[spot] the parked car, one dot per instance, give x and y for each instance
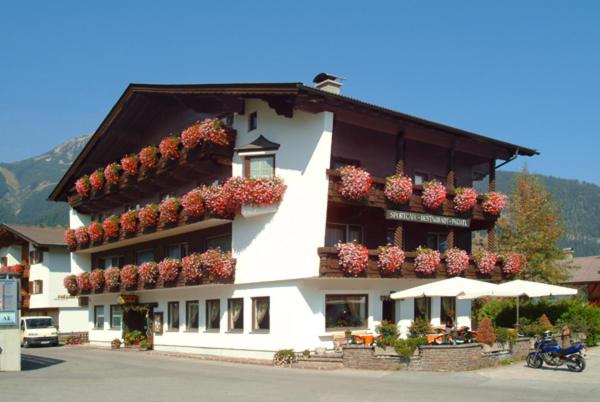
(38, 331)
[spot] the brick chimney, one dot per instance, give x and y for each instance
(328, 83)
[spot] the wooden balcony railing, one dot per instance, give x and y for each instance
(200, 163)
(329, 267)
(377, 199)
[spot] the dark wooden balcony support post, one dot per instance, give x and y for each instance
(399, 236)
(450, 238)
(492, 176)
(400, 156)
(491, 233)
(451, 176)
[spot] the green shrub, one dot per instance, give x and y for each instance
(505, 335)
(406, 347)
(144, 344)
(584, 317)
(306, 353)
(419, 328)
(284, 357)
(389, 334)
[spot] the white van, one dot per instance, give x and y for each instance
(38, 331)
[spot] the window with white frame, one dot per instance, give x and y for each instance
(173, 310)
(346, 311)
(221, 242)
(437, 241)
(259, 166)
(213, 315)
(191, 315)
(144, 256)
(236, 314)
(261, 314)
(116, 316)
(99, 317)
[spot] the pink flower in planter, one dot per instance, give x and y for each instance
(148, 216)
(128, 222)
(83, 238)
(148, 157)
(217, 203)
(390, 258)
(83, 282)
(129, 275)
(70, 283)
(169, 147)
(193, 202)
(83, 187)
(148, 273)
(427, 260)
(70, 239)
(112, 172)
(97, 279)
(191, 136)
(169, 210)
(434, 194)
(398, 188)
(513, 263)
(97, 180)
(353, 258)
(131, 164)
(465, 199)
(485, 261)
(95, 232)
(355, 182)
(191, 267)
(169, 269)
(457, 261)
(218, 264)
(494, 202)
(236, 192)
(112, 277)
(214, 131)
(111, 227)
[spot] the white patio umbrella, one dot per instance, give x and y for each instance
(453, 287)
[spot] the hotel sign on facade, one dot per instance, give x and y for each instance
(426, 218)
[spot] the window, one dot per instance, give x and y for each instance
(437, 241)
(260, 313)
(420, 178)
(191, 315)
(36, 256)
(335, 233)
(260, 166)
(338, 162)
(144, 256)
(37, 287)
(345, 311)
(173, 316)
(252, 121)
(423, 308)
(111, 261)
(236, 314)
(221, 242)
(390, 235)
(4, 261)
(99, 317)
(116, 316)
(177, 251)
(213, 314)
(448, 310)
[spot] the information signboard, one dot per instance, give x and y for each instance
(9, 301)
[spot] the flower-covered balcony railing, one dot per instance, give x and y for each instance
(196, 152)
(354, 186)
(210, 267)
(355, 260)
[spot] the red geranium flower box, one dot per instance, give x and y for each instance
(129, 275)
(97, 180)
(70, 283)
(191, 268)
(82, 186)
(193, 203)
(169, 269)
(353, 258)
(214, 131)
(95, 232)
(434, 194)
(112, 277)
(148, 216)
(218, 264)
(97, 279)
(131, 164)
(148, 273)
(128, 222)
(149, 157)
(83, 282)
(83, 238)
(169, 147)
(70, 239)
(169, 210)
(112, 172)
(390, 258)
(355, 182)
(111, 227)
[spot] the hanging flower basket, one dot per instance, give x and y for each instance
(149, 157)
(169, 210)
(355, 182)
(148, 216)
(70, 283)
(97, 180)
(214, 131)
(457, 261)
(131, 164)
(83, 282)
(112, 172)
(70, 239)
(434, 194)
(398, 188)
(513, 263)
(83, 238)
(191, 268)
(353, 258)
(427, 260)
(148, 273)
(494, 202)
(390, 259)
(97, 279)
(129, 275)
(95, 232)
(169, 269)
(83, 187)
(193, 203)
(191, 136)
(465, 199)
(128, 222)
(169, 147)
(111, 227)
(218, 264)
(112, 278)
(216, 202)
(485, 261)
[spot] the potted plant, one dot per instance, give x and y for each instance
(355, 182)
(82, 186)
(169, 147)
(485, 261)
(148, 157)
(398, 188)
(390, 258)
(97, 180)
(457, 261)
(169, 210)
(465, 199)
(112, 172)
(115, 344)
(130, 164)
(95, 232)
(82, 236)
(97, 279)
(111, 227)
(83, 282)
(112, 277)
(353, 258)
(193, 203)
(493, 203)
(70, 239)
(513, 263)
(129, 275)
(128, 222)
(434, 194)
(168, 269)
(191, 136)
(148, 216)
(70, 283)
(218, 264)
(191, 268)
(427, 260)
(214, 131)
(263, 196)
(148, 273)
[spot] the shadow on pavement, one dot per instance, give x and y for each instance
(30, 362)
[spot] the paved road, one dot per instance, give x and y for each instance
(85, 374)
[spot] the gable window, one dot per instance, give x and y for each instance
(173, 308)
(177, 251)
(37, 287)
(221, 242)
(236, 314)
(252, 121)
(260, 314)
(259, 166)
(213, 314)
(336, 232)
(99, 317)
(144, 256)
(345, 311)
(116, 316)
(191, 315)
(36, 256)
(437, 241)
(423, 308)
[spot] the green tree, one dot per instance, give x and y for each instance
(533, 226)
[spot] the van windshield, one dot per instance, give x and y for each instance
(39, 323)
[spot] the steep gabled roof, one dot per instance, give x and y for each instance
(37, 235)
(587, 269)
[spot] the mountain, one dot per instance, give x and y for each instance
(25, 185)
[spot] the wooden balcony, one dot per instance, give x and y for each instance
(329, 267)
(377, 199)
(202, 163)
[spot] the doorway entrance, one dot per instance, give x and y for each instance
(137, 324)
(388, 309)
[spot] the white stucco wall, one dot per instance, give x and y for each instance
(266, 247)
(79, 262)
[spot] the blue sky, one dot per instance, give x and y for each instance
(524, 72)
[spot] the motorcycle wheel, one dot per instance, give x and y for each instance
(534, 361)
(576, 364)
